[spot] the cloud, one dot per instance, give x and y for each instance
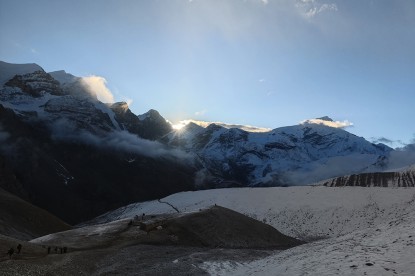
(96, 85)
(199, 113)
(384, 140)
(124, 141)
(311, 8)
(401, 157)
(265, 2)
(225, 125)
(328, 122)
(128, 101)
(332, 167)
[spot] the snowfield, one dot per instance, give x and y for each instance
(351, 230)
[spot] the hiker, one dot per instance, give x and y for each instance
(48, 249)
(142, 217)
(65, 249)
(56, 250)
(10, 252)
(60, 249)
(19, 247)
(130, 223)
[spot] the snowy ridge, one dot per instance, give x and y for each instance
(364, 230)
(287, 209)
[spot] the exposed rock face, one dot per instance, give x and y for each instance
(36, 84)
(82, 113)
(150, 125)
(378, 179)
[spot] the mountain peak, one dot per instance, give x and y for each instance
(325, 118)
(63, 77)
(9, 70)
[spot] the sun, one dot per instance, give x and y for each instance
(180, 124)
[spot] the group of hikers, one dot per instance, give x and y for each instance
(57, 250)
(11, 250)
(61, 250)
(137, 219)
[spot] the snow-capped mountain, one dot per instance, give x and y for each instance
(75, 156)
(61, 98)
(291, 155)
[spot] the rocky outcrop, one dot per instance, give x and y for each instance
(150, 125)
(378, 179)
(36, 84)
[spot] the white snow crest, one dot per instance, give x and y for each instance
(335, 124)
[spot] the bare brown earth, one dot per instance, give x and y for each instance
(22, 220)
(172, 245)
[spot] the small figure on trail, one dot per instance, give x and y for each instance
(48, 249)
(19, 248)
(10, 252)
(56, 250)
(130, 223)
(61, 249)
(136, 217)
(65, 249)
(143, 216)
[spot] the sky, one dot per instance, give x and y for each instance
(265, 63)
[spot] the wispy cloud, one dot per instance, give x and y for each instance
(330, 123)
(124, 141)
(402, 157)
(96, 85)
(387, 141)
(311, 8)
(201, 112)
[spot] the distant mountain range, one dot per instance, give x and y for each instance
(64, 150)
(293, 155)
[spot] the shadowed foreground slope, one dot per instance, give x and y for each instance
(222, 227)
(22, 220)
(158, 245)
